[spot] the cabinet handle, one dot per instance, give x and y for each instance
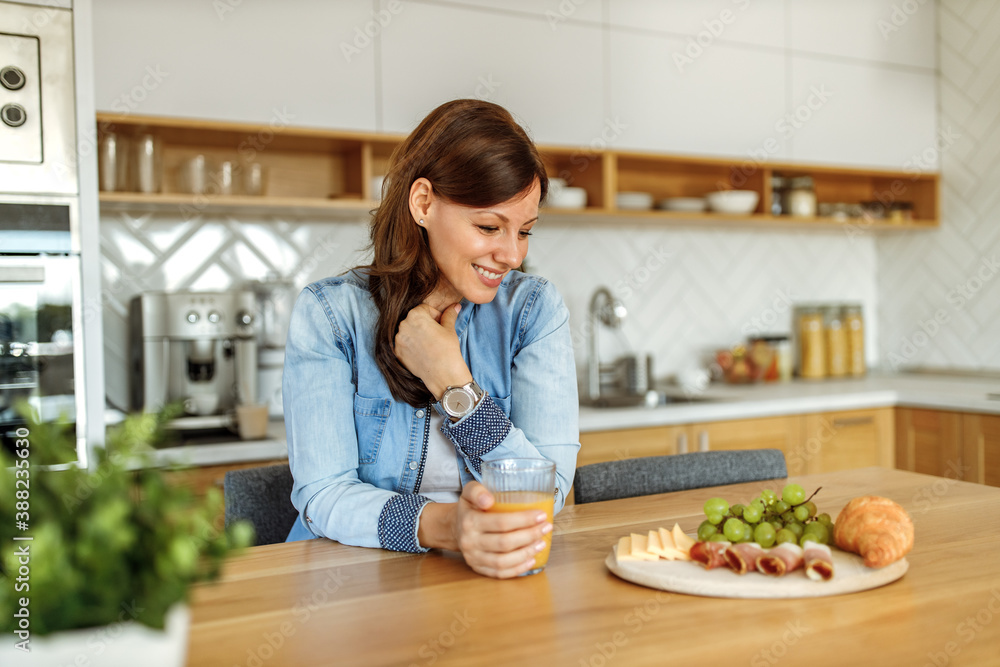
(682, 443)
(703, 441)
(841, 422)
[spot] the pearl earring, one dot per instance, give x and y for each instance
(420, 222)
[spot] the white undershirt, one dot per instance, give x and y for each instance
(441, 481)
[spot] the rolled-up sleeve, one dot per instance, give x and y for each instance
(318, 390)
(545, 411)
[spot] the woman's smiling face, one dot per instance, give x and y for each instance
(474, 248)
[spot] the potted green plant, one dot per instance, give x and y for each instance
(96, 564)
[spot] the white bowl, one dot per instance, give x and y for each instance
(566, 197)
(555, 183)
(733, 201)
(634, 201)
(687, 204)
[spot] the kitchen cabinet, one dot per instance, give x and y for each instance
(329, 172)
(981, 448)
(833, 441)
(615, 445)
(930, 442)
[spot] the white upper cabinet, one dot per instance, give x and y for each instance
(890, 31)
(759, 22)
(724, 100)
(302, 63)
(865, 115)
(550, 77)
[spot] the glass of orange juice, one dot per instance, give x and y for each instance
(523, 484)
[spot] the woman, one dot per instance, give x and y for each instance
(403, 376)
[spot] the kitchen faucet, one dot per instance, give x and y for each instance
(606, 309)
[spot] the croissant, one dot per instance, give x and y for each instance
(875, 528)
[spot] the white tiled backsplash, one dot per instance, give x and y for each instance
(687, 291)
(940, 290)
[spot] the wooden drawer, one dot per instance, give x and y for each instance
(843, 440)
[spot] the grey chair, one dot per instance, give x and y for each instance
(663, 474)
(262, 496)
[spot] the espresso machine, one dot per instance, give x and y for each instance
(196, 347)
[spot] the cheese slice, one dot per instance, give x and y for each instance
(624, 551)
(640, 550)
(682, 542)
(668, 548)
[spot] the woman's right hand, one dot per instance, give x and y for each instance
(497, 544)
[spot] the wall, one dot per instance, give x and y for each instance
(811, 81)
(941, 291)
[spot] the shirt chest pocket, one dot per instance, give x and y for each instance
(370, 418)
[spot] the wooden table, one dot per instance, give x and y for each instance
(321, 603)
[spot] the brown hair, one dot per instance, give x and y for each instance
(474, 154)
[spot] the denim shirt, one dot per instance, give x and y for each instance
(357, 454)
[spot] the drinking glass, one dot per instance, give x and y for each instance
(523, 484)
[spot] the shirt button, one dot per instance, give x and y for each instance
(414, 465)
(420, 414)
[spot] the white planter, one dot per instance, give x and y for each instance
(123, 644)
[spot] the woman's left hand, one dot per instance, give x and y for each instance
(428, 346)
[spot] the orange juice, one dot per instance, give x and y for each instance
(518, 501)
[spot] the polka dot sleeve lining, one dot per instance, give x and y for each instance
(397, 524)
(479, 432)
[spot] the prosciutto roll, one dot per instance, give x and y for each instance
(780, 560)
(818, 561)
(710, 554)
(742, 558)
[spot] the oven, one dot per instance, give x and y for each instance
(41, 360)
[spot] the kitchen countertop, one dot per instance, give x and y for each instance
(725, 402)
(722, 403)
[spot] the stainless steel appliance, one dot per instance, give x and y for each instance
(40, 321)
(275, 299)
(195, 347)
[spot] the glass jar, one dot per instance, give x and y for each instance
(812, 344)
(800, 198)
(836, 342)
(854, 323)
(778, 187)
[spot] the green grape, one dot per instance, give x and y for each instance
(793, 494)
(825, 518)
(788, 517)
(718, 537)
(780, 507)
(733, 530)
(811, 506)
(796, 528)
(751, 514)
(769, 495)
(737, 510)
(801, 513)
(819, 531)
(764, 535)
(785, 535)
(714, 519)
(716, 506)
(759, 504)
(706, 530)
(777, 524)
(806, 538)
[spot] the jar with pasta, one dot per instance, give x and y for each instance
(854, 323)
(836, 342)
(812, 344)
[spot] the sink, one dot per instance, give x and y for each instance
(641, 400)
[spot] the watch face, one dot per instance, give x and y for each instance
(458, 401)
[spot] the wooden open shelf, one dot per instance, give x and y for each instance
(329, 173)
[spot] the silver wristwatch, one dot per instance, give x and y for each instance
(460, 401)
